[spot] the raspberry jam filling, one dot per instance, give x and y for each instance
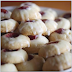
(12, 35)
(60, 30)
(33, 37)
(44, 20)
(4, 11)
(30, 57)
(6, 50)
(67, 15)
(52, 42)
(4, 19)
(23, 7)
(42, 13)
(57, 20)
(30, 21)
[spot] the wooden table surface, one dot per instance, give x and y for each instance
(63, 5)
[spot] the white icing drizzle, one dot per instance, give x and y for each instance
(6, 26)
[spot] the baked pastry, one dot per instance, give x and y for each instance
(5, 14)
(24, 13)
(8, 68)
(33, 64)
(47, 15)
(51, 26)
(32, 27)
(13, 56)
(54, 48)
(36, 42)
(14, 41)
(8, 25)
(61, 34)
(32, 5)
(58, 63)
(62, 23)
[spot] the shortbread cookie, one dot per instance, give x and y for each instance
(8, 68)
(54, 48)
(47, 15)
(32, 5)
(24, 13)
(51, 26)
(5, 14)
(58, 63)
(13, 56)
(62, 23)
(33, 64)
(32, 27)
(61, 34)
(36, 42)
(8, 25)
(14, 41)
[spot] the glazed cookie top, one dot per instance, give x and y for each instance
(5, 13)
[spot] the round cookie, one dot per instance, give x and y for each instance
(5, 14)
(8, 67)
(36, 42)
(47, 15)
(32, 5)
(8, 25)
(24, 13)
(54, 48)
(61, 34)
(58, 63)
(14, 41)
(33, 64)
(13, 56)
(62, 23)
(51, 26)
(32, 27)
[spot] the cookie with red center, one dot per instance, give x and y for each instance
(63, 23)
(35, 64)
(36, 42)
(51, 26)
(54, 48)
(8, 68)
(13, 41)
(61, 34)
(5, 13)
(31, 5)
(8, 25)
(13, 56)
(24, 13)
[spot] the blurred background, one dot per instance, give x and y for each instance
(63, 5)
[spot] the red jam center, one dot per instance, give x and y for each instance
(4, 19)
(44, 20)
(52, 42)
(23, 7)
(42, 13)
(67, 15)
(60, 30)
(30, 21)
(30, 57)
(33, 37)
(4, 11)
(57, 20)
(12, 35)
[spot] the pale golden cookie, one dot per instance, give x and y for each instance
(54, 48)
(13, 56)
(61, 34)
(8, 68)
(34, 64)
(58, 63)
(8, 25)
(36, 42)
(24, 13)
(32, 27)
(14, 41)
